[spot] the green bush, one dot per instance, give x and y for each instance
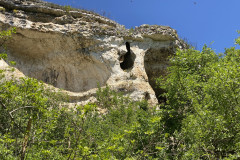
(23, 103)
(67, 9)
(113, 127)
(202, 109)
(199, 120)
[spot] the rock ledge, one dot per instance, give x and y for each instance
(77, 50)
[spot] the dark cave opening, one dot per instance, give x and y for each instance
(155, 64)
(128, 58)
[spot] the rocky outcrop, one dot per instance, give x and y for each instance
(77, 50)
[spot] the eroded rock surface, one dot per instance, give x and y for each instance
(77, 50)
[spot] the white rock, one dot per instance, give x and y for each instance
(73, 53)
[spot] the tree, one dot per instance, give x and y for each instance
(202, 109)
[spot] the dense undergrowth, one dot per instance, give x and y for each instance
(199, 120)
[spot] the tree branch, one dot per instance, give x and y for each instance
(12, 118)
(22, 108)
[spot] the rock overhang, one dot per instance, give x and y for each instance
(79, 50)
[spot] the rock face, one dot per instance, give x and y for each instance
(77, 50)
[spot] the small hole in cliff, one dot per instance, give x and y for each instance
(128, 58)
(147, 96)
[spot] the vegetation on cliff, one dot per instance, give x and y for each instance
(199, 120)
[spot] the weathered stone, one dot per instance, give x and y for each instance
(78, 50)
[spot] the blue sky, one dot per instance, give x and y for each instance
(211, 22)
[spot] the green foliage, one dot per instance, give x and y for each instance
(202, 109)
(15, 11)
(131, 31)
(4, 37)
(199, 120)
(112, 128)
(67, 8)
(2, 9)
(23, 100)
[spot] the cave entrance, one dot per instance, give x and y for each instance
(155, 64)
(128, 58)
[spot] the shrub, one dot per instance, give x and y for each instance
(202, 109)
(67, 9)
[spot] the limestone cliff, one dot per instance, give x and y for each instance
(77, 50)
